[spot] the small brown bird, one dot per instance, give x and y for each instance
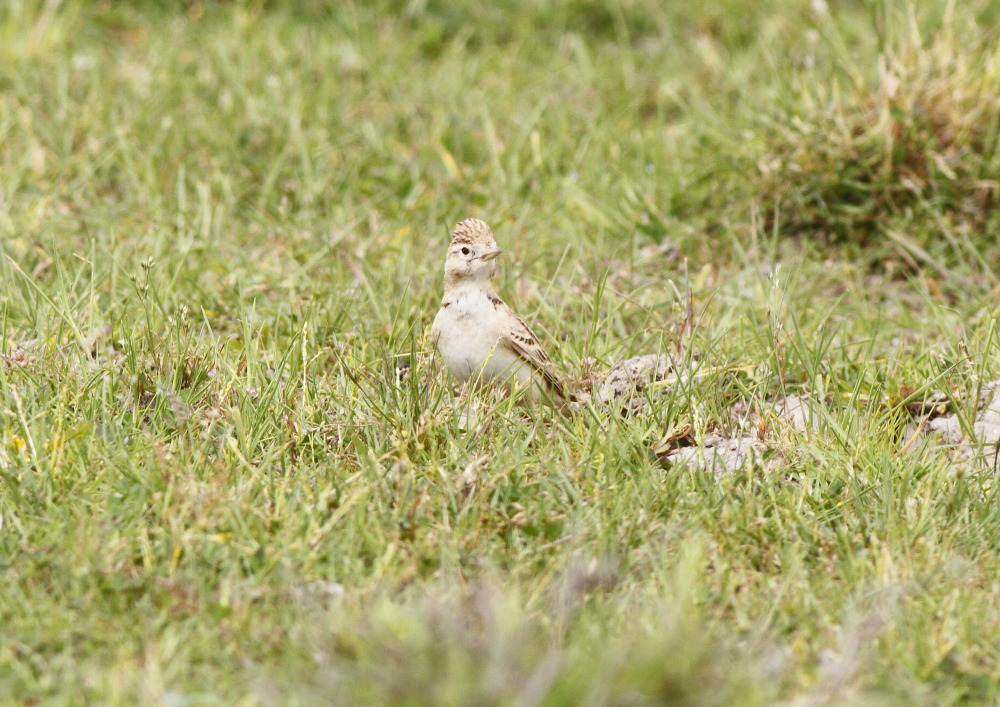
(479, 337)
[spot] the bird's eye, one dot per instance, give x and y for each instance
(465, 251)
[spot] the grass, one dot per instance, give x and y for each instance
(221, 237)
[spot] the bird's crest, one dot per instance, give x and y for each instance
(472, 231)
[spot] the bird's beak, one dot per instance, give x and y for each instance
(491, 254)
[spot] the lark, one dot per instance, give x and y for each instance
(479, 337)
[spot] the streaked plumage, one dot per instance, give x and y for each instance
(479, 337)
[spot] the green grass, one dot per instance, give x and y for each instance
(222, 229)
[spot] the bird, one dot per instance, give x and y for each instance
(479, 337)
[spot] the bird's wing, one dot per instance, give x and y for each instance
(523, 342)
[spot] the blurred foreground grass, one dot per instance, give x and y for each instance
(221, 236)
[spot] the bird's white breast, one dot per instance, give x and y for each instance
(467, 330)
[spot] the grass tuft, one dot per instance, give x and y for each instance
(905, 144)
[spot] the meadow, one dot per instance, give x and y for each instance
(232, 471)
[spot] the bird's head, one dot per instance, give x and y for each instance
(472, 254)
